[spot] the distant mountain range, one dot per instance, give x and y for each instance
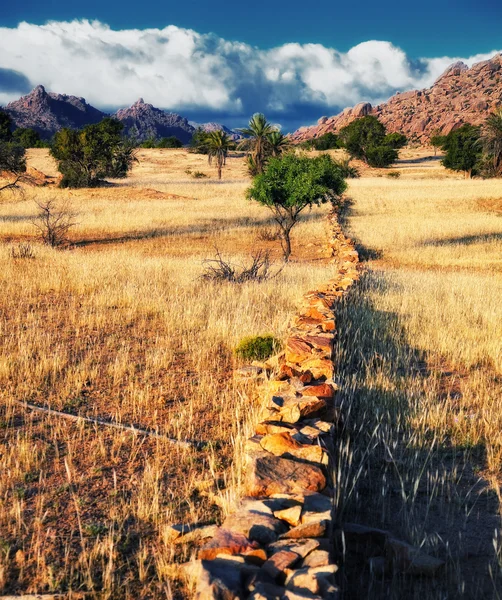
(47, 113)
(461, 95)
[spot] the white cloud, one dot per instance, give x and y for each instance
(178, 69)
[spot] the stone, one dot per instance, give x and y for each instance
(303, 595)
(275, 566)
(321, 368)
(256, 526)
(307, 530)
(323, 390)
(227, 542)
(317, 558)
(267, 474)
(368, 541)
(266, 591)
(312, 579)
(249, 372)
(266, 427)
(218, 582)
(297, 350)
(301, 547)
(281, 444)
(291, 515)
(411, 560)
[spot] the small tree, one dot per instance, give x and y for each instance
(436, 140)
(366, 138)
(291, 184)
(218, 144)
(257, 142)
(13, 162)
(463, 150)
(97, 151)
(198, 143)
(279, 143)
(54, 221)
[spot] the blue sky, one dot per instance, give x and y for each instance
(294, 60)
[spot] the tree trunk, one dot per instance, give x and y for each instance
(287, 244)
(219, 171)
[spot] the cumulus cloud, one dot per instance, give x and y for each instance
(180, 69)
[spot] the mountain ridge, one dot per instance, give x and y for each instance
(460, 95)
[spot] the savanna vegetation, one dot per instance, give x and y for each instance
(165, 281)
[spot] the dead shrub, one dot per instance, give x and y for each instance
(268, 234)
(22, 250)
(260, 269)
(54, 221)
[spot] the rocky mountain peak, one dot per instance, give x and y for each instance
(461, 95)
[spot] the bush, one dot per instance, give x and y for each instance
(328, 141)
(463, 150)
(12, 157)
(381, 156)
(198, 175)
(394, 174)
(28, 138)
(97, 151)
(259, 347)
(346, 169)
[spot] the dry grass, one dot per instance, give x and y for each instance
(120, 326)
(420, 359)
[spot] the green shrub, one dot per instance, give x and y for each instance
(394, 174)
(199, 175)
(259, 347)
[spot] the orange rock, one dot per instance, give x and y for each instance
(276, 565)
(267, 474)
(227, 542)
(297, 350)
(324, 390)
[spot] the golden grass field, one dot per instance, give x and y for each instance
(420, 358)
(120, 326)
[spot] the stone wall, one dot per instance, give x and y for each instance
(278, 543)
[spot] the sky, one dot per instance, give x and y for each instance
(295, 61)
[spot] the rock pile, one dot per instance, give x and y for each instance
(461, 95)
(278, 544)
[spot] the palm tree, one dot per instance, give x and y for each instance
(258, 143)
(218, 144)
(491, 139)
(278, 143)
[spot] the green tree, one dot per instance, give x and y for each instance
(279, 143)
(366, 138)
(395, 140)
(257, 142)
(463, 150)
(491, 141)
(328, 141)
(437, 141)
(291, 184)
(218, 145)
(97, 151)
(198, 143)
(169, 142)
(6, 126)
(28, 138)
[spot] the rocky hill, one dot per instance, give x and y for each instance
(234, 135)
(460, 95)
(143, 121)
(47, 112)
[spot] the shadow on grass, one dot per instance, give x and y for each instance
(466, 240)
(205, 227)
(418, 485)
